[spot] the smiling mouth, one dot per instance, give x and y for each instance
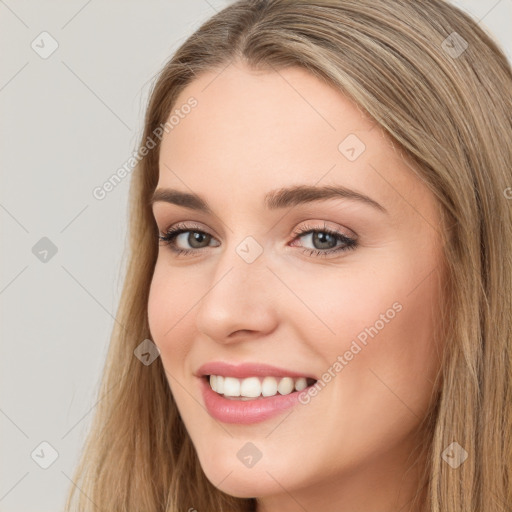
(255, 388)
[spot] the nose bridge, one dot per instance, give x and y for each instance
(235, 299)
(243, 264)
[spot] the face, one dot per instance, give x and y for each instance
(339, 289)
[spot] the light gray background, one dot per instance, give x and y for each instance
(68, 122)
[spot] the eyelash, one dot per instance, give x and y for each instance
(169, 237)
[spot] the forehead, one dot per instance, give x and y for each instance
(267, 110)
(255, 130)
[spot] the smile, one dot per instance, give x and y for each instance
(267, 402)
(251, 388)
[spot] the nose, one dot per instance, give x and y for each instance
(238, 301)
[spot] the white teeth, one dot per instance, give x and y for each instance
(269, 386)
(285, 387)
(254, 387)
(231, 386)
(250, 387)
(300, 384)
(220, 384)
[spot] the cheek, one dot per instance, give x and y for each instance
(387, 332)
(410, 345)
(170, 316)
(157, 305)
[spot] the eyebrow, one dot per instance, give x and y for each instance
(273, 200)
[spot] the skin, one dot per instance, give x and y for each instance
(351, 447)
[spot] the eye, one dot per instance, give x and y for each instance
(324, 240)
(195, 237)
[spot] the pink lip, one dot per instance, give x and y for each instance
(246, 412)
(244, 370)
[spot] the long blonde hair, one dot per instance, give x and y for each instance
(441, 88)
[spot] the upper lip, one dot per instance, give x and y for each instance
(244, 370)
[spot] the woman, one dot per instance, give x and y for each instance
(317, 307)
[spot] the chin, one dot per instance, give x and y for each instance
(245, 482)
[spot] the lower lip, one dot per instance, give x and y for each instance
(246, 411)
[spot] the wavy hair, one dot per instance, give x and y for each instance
(441, 88)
